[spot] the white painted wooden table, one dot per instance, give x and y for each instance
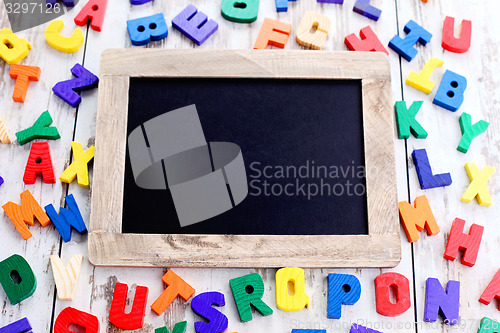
(420, 261)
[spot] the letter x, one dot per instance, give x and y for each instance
(79, 167)
(478, 188)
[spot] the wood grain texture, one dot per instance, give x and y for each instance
(95, 289)
(479, 65)
(250, 250)
(66, 277)
(244, 64)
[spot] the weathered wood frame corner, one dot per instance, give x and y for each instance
(108, 246)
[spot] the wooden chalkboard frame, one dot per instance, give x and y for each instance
(108, 246)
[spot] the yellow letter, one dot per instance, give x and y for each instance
(421, 81)
(79, 167)
(477, 187)
(60, 43)
(12, 48)
(298, 300)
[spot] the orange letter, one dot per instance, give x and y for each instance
(273, 33)
(417, 218)
(175, 287)
(24, 213)
(23, 75)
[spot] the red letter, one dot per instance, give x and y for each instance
(492, 290)
(39, 162)
(135, 319)
(368, 42)
(469, 243)
(453, 44)
(70, 316)
(94, 11)
(401, 285)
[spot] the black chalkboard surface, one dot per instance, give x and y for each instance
(244, 158)
(302, 145)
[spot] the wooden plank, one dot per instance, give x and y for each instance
(96, 283)
(250, 250)
(112, 119)
(479, 66)
(244, 64)
(55, 67)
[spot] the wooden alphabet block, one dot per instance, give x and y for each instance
(414, 34)
(355, 328)
(54, 38)
(133, 320)
(20, 326)
(175, 287)
(240, 11)
(406, 122)
(4, 136)
(12, 48)
(70, 316)
(492, 290)
(423, 168)
(202, 306)
(364, 8)
(41, 129)
(67, 3)
(248, 291)
(299, 300)
(417, 218)
(343, 289)
(452, 44)
(313, 40)
(273, 33)
(17, 291)
(143, 30)
(400, 284)
(179, 327)
(26, 213)
(438, 301)
(68, 90)
(478, 187)
(488, 325)
(282, 5)
(421, 81)
(67, 218)
(23, 75)
(195, 24)
(93, 11)
(39, 163)
(66, 277)
(450, 94)
(368, 42)
(79, 167)
(469, 131)
(469, 243)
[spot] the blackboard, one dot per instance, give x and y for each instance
(300, 135)
(315, 134)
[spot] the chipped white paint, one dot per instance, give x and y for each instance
(95, 286)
